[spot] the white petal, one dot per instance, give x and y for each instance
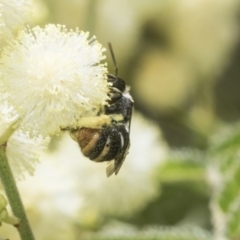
(23, 152)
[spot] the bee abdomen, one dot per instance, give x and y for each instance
(91, 142)
(112, 146)
(99, 144)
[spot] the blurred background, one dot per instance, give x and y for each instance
(181, 59)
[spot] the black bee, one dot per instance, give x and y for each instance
(110, 142)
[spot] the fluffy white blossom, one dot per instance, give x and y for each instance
(24, 151)
(13, 15)
(53, 78)
(50, 79)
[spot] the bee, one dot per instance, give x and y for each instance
(110, 142)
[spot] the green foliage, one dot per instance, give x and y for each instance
(216, 172)
(186, 165)
(225, 152)
(220, 164)
(155, 233)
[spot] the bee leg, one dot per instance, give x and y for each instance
(117, 82)
(115, 95)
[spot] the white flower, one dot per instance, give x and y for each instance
(13, 15)
(53, 78)
(24, 151)
(50, 79)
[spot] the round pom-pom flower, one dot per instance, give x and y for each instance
(51, 78)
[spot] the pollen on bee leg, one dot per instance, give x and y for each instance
(116, 117)
(94, 122)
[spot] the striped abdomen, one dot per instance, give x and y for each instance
(101, 144)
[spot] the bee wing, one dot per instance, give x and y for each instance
(115, 164)
(110, 168)
(121, 158)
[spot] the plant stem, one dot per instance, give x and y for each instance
(14, 198)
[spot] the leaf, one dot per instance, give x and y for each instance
(155, 233)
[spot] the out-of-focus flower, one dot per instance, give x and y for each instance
(13, 15)
(122, 29)
(126, 25)
(192, 44)
(40, 12)
(207, 40)
(200, 36)
(50, 79)
(70, 187)
(164, 76)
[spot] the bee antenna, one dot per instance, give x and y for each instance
(113, 58)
